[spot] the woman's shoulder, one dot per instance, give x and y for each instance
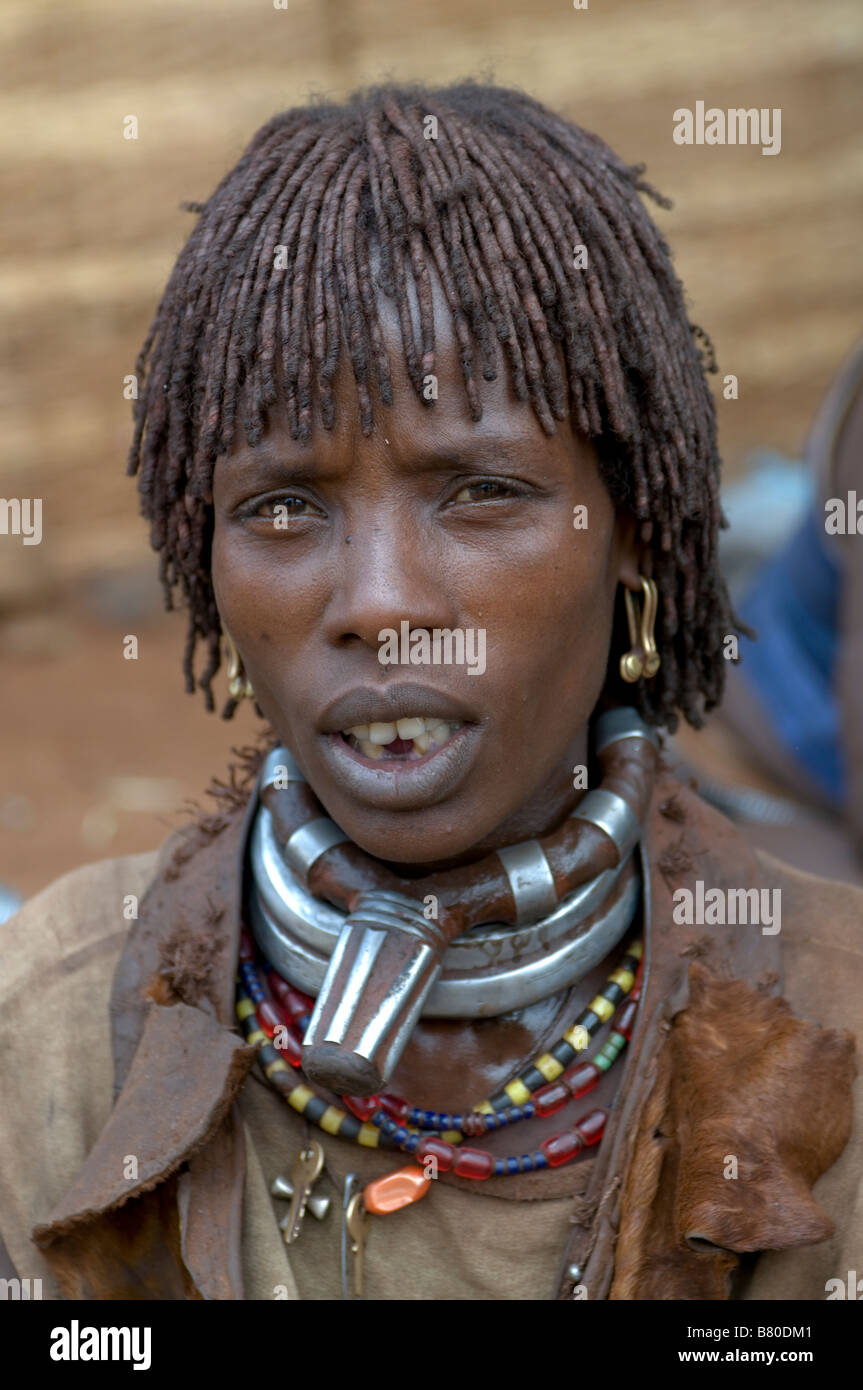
(825, 912)
(64, 924)
(60, 951)
(821, 937)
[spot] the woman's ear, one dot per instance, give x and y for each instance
(629, 548)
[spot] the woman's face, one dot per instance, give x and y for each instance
(432, 522)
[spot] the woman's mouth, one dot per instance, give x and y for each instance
(411, 738)
(408, 764)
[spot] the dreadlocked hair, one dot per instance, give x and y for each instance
(277, 280)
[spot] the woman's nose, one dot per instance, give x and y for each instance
(387, 574)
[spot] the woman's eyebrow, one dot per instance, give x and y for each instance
(272, 467)
(509, 455)
(469, 453)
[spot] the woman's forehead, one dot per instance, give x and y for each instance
(437, 418)
(412, 428)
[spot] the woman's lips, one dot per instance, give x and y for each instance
(392, 778)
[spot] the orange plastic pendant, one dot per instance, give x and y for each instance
(396, 1190)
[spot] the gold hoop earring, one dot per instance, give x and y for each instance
(239, 685)
(642, 659)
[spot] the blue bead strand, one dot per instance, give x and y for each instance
(442, 1120)
(409, 1143)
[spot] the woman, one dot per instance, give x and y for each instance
(422, 392)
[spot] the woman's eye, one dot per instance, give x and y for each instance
(488, 489)
(280, 509)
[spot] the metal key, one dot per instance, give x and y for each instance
(352, 1183)
(357, 1222)
(305, 1171)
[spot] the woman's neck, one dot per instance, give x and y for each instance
(544, 810)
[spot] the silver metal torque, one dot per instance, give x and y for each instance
(488, 971)
(280, 766)
(309, 842)
(609, 812)
(621, 723)
(386, 961)
(530, 880)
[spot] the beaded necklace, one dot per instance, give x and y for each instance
(274, 1017)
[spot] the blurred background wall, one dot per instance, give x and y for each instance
(97, 753)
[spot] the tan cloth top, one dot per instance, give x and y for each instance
(60, 952)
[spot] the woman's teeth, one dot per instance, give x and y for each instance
(372, 740)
